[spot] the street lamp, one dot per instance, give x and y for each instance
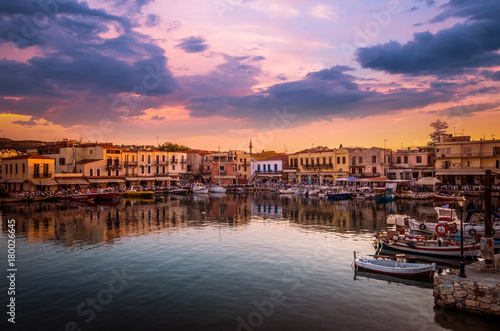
(461, 204)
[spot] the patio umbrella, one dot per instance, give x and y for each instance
(428, 181)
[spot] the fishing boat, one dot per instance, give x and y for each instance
(198, 188)
(429, 247)
(85, 195)
(240, 190)
(385, 195)
(105, 194)
(394, 267)
(287, 191)
(446, 220)
(138, 194)
(339, 194)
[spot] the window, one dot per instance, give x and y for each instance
(343, 159)
(91, 151)
(36, 168)
(62, 161)
(301, 161)
(117, 173)
(419, 159)
(317, 160)
(109, 172)
(374, 170)
(24, 168)
(142, 157)
(157, 169)
(498, 164)
(312, 162)
(307, 162)
(360, 159)
(173, 167)
(6, 169)
(163, 157)
(163, 168)
(98, 172)
(324, 160)
(149, 170)
(468, 164)
(149, 158)
(374, 159)
(398, 159)
(276, 167)
(338, 159)
(91, 172)
(406, 159)
(258, 167)
(496, 150)
(16, 168)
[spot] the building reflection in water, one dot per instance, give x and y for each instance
(89, 223)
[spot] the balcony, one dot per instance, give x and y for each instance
(113, 165)
(183, 161)
(174, 161)
(41, 175)
(260, 171)
(318, 167)
(161, 163)
(130, 163)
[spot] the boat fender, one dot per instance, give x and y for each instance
(472, 232)
(422, 226)
(442, 229)
(410, 245)
(453, 227)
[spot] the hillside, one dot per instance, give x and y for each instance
(19, 145)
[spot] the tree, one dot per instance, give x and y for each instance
(439, 132)
(171, 147)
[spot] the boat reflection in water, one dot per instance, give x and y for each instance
(423, 282)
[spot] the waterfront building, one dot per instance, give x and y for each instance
(221, 168)
(270, 169)
(318, 165)
(462, 161)
(243, 162)
(412, 163)
(28, 173)
(369, 162)
(194, 167)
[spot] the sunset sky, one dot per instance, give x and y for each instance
(286, 74)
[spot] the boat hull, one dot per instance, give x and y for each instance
(470, 251)
(138, 194)
(394, 268)
(105, 196)
(83, 197)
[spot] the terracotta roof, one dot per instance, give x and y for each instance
(282, 157)
(318, 149)
(29, 156)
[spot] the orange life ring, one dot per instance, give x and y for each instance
(441, 231)
(453, 227)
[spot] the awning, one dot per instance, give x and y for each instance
(460, 173)
(72, 181)
(290, 170)
(47, 182)
(164, 178)
(132, 179)
(116, 180)
(3, 180)
(16, 181)
(98, 180)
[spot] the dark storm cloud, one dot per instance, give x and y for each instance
(450, 51)
(321, 94)
(192, 44)
(28, 123)
(78, 70)
(466, 110)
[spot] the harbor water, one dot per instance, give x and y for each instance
(228, 262)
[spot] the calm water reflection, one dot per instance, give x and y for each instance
(247, 262)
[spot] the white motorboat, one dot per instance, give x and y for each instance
(217, 189)
(198, 188)
(287, 191)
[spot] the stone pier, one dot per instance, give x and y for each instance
(479, 293)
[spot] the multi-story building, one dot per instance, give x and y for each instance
(270, 169)
(369, 162)
(462, 161)
(243, 162)
(318, 165)
(28, 173)
(221, 168)
(412, 163)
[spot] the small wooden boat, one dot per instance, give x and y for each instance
(83, 196)
(342, 195)
(394, 267)
(422, 246)
(287, 191)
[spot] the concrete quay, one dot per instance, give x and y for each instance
(478, 293)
